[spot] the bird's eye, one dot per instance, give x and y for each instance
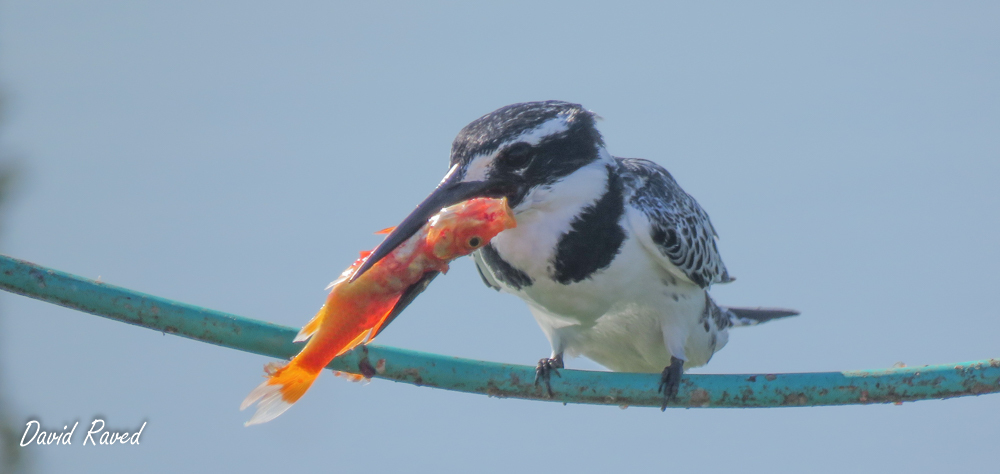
(517, 156)
(475, 242)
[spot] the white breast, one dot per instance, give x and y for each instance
(617, 316)
(545, 215)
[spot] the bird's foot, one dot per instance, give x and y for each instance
(545, 369)
(670, 381)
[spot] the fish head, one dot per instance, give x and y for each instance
(467, 226)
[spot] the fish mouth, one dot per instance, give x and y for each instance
(509, 221)
(452, 190)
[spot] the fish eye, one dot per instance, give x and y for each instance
(475, 242)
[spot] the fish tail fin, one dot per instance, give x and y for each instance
(283, 387)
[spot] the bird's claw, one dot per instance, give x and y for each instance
(670, 381)
(545, 369)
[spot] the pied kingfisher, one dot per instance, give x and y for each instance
(613, 258)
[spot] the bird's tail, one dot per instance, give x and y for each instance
(283, 387)
(755, 316)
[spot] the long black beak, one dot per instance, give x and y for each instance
(451, 191)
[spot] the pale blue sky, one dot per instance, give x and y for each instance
(237, 156)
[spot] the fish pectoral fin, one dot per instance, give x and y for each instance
(387, 230)
(354, 343)
(311, 327)
(349, 376)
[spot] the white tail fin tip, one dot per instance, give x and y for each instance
(271, 403)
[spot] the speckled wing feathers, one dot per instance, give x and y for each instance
(679, 228)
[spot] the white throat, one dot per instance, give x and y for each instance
(546, 214)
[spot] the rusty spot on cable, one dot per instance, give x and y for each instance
(415, 374)
(492, 390)
(366, 367)
(795, 399)
(980, 388)
(38, 277)
(724, 398)
(700, 397)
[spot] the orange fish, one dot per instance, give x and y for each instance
(356, 311)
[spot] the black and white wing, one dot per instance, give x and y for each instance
(671, 225)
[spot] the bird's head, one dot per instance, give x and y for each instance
(506, 153)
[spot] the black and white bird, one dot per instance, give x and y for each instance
(614, 259)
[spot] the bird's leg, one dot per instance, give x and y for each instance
(670, 381)
(545, 369)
